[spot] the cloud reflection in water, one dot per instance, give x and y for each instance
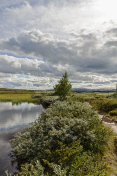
(12, 119)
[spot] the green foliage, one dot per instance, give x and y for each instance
(74, 162)
(64, 154)
(70, 161)
(105, 105)
(115, 95)
(63, 88)
(69, 135)
(81, 97)
(113, 112)
(35, 169)
(58, 170)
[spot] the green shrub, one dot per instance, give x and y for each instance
(115, 95)
(113, 112)
(66, 123)
(105, 105)
(35, 169)
(81, 97)
(70, 161)
(62, 89)
(74, 162)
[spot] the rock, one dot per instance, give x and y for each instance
(36, 96)
(107, 119)
(46, 102)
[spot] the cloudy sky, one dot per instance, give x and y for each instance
(41, 39)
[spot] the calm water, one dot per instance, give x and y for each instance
(13, 118)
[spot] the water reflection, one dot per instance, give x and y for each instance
(5, 160)
(12, 119)
(13, 116)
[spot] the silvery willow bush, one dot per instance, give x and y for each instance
(64, 124)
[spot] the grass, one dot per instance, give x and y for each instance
(111, 155)
(104, 103)
(17, 98)
(20, 96)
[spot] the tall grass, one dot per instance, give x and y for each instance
(17, 98)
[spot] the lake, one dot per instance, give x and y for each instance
(14, 118)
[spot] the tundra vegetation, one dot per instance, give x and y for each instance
(68, 139)
(19, 96)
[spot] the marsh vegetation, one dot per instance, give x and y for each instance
(68, 139)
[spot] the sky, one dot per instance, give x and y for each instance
(41, 39)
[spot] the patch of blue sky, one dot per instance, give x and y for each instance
(11, 4)
(10, 85)
(19, 3)
(15, 5)
(40, 2)
(23, 76)
(11, 54)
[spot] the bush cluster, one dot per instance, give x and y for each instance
(68, 139)
(105, 105)
(113, 112)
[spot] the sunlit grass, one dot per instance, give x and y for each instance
(19, 95)
(17, 98)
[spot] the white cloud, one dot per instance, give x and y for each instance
(58, 17)
(73, 35)
(84, 52)
(11, 64)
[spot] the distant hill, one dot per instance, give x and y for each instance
(92, 90)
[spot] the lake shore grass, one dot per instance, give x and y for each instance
(20, 96)
(17, 98)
